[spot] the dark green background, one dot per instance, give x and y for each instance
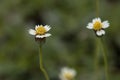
(71, 43)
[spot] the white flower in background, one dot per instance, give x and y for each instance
(67, 74)
(98, 26)
(40, 31)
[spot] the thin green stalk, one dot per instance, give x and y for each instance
(41, 64)
(97, 8)
(105, 60)
(97, 59)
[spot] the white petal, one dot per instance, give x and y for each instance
(47, 27)
(90, 26)
(96, 19)
(105, 24)
(36, 27)
(32, 32)
(47, 35)
(40, 36)
(103, 32)
(99, 33)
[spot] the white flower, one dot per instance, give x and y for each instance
(98, 26)
(40, 31)
(67, 74)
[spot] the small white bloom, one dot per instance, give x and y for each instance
(40, 31)
(67, 74)
(98, 26)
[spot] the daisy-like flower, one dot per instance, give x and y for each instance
(40, 31)
(98, 26)
(67, 74)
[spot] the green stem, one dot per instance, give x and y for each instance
(96, 59)
(41, 64)
(105, 60)
(97, 8)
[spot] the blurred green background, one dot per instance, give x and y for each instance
(71, 44)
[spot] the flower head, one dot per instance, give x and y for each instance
(67, 74)
(98, 26)
(40, 31)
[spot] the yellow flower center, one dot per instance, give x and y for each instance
(40, 30)
(97, 25)
(68, 76)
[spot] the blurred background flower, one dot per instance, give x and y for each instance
(67, 74)
(71, 44)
